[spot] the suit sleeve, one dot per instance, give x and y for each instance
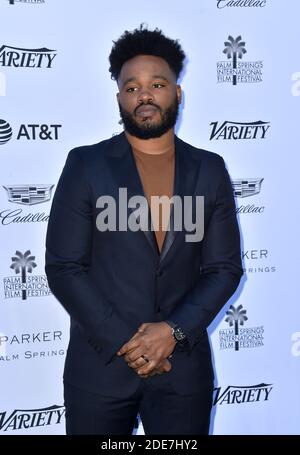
(221, 264)
(68, 256)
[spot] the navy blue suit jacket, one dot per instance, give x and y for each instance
(111, 282)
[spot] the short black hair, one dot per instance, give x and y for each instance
(142, 41)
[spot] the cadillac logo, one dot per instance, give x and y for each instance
(246, 187)
(29, 194)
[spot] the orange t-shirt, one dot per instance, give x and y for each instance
(157, 176)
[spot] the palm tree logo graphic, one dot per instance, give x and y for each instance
(234, 48)
(236, 317)
(23, 263)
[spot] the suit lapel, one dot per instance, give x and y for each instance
(123, 167)
(186, 172)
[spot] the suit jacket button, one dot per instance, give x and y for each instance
(159, 272)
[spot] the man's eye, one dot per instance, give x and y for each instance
(157, 85)
(131, 89)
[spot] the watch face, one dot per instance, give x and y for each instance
(178, 334)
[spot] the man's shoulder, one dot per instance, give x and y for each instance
(202, 154)
(94, 151)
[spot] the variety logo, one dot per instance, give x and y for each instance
(24, 419)
(239, 130)
(241, 3)
(257, 259)
(296, 344)
(18, 57)
(235, 71)
(37, 345)
(28, 194)
(296, 84)
(238, 337)
(242, 394)
(31, 131)
(24, 284)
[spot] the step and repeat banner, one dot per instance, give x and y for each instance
(241, 89)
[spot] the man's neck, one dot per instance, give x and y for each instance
(154, 146)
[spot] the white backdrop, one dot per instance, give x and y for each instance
(60, 97)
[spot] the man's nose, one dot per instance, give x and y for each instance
(145, 96)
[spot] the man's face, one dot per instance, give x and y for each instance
(149, 97)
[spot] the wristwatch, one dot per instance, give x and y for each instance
(177, 332)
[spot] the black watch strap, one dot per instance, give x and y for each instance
(178, 329)
(171, 324)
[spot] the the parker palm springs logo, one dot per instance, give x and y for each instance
(24, 284)
(23, 263)
(235, 317)
(237, 336)
(235, 69)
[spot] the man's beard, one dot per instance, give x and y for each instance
(146, 130)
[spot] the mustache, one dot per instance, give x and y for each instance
(146, 104)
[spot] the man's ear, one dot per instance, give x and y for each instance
(179, 93)
(118, 96)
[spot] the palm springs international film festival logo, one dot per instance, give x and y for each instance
(233, 394)
(18, 57)
(24, 283)
(236, 336)
(239, 130)
(25, 419)
(235, 71)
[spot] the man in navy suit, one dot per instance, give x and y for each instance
(141, 292)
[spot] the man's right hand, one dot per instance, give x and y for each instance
(163, 367)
